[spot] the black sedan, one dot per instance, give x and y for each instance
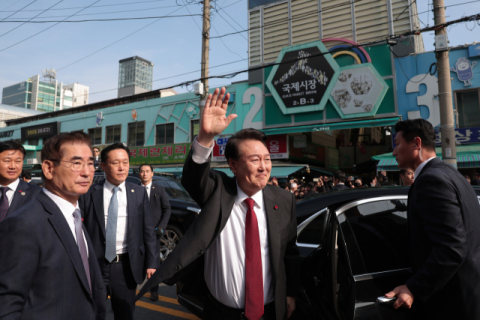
(184, 210)
(353, 248)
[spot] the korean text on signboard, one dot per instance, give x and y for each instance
(6, 134)
(41, 131)
(462, 135)
(160, 154)
(302, 77)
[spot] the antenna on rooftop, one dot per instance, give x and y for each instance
(50, 74)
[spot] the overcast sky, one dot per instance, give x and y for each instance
(172, 44)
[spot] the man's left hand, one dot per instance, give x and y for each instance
(290, 306)
(150, 272)
(404, 297)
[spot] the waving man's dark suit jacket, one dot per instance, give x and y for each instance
(25, 193)
(160, 205)
(215, 192)
(41, 270)
(444, 228)
(141, 240)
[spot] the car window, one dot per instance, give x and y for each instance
(173, 189)
(312, 233)
(380, 231)
(133, 180)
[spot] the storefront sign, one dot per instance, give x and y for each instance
(300, 81)
(41, 131)
(300, 141)
(6, 134)
(358, 91)
(277, 146)
(474, 50)
(462, 136)
(160, 154)
(464, 70)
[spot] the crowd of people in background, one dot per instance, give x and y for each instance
(339, 181)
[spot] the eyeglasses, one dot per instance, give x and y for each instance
(76, 165)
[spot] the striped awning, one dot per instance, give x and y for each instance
(464, 160)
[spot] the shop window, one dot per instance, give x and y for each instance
(113, 134)
(468, 108)
(95, 135)
(194, 129)
(136, 134)
(164, 133)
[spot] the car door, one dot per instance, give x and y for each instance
(375, 231)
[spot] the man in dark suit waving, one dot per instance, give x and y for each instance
(443, 222)
(119, 222)
(246, 231)
(14, 192)
(160, 209)
(48, 267)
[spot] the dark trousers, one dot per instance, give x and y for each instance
(215, 310)
(155, 289)
(121, 287)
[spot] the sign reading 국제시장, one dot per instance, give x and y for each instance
(160, 154)
(302, 78)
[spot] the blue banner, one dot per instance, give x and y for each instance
(462, 135)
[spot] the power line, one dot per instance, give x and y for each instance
(103, 5)
(111, 44)
(107, 20)
(46, 28)
(224, 42)
(19, 10)
(110, 12)
(30, 19)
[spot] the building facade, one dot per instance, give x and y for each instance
(75, 95)
(135, 76)
(45, 96)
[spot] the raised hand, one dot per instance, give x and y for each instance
(213, 120)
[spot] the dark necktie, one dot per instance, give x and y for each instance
(81, 244)
(4, 203)
(253, 266)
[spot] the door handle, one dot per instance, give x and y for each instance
(386, 302)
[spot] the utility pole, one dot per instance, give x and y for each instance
(447, 127)
(205, 51)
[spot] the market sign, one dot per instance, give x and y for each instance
(462, 135)
(160, 154)
(358, 91)
(41, 131)
(464, 70)
(277, 146)
(303, 77)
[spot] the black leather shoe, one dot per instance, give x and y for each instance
(154, 296)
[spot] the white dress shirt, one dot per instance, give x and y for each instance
(10, 193)
(420, 167)
(225, 258)
(67, 209)
(148, 187)
(122, 213)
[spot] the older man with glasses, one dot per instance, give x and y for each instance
(48, 267)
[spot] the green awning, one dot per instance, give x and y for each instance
(277, 172)
(172, 170)
(384, 122)
(467, 157)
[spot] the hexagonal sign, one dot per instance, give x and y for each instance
(358, 91)
(303, 77)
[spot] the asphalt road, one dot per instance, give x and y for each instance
(166, 308)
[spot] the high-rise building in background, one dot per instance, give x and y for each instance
(47, 95)
(134, 76)
(75, 95)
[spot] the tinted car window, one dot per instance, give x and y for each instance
(173, 189)
(313, 232)
(133, 180)
(380, 231)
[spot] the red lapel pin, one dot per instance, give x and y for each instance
(275, 207)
